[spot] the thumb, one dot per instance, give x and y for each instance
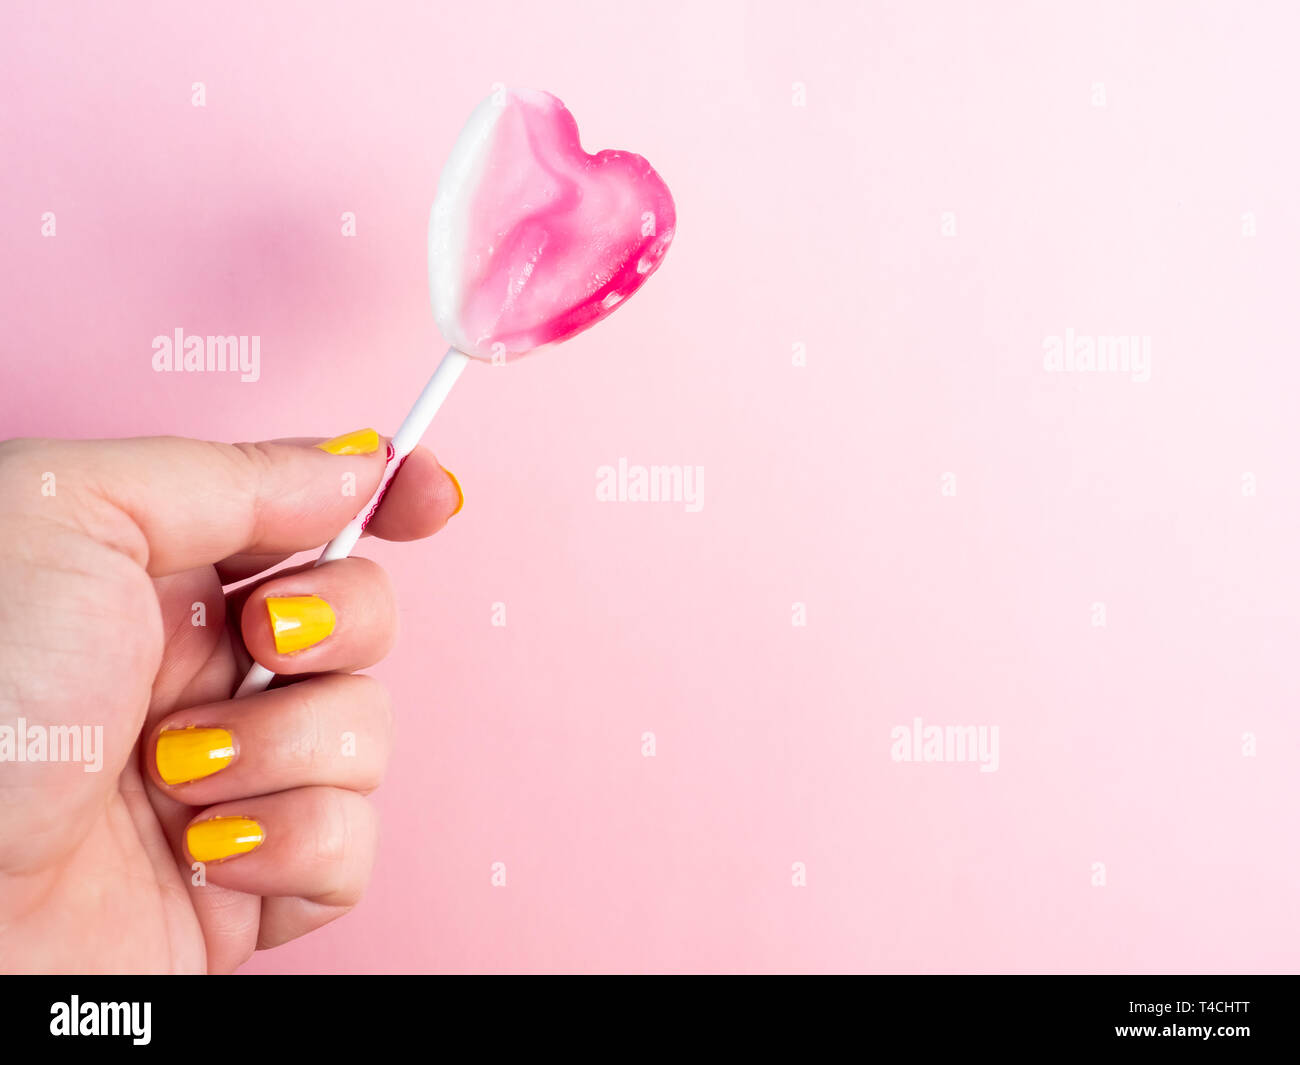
(172, 503)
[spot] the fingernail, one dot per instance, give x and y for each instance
(223, 837)
(186, 754)
(299, 621)
(361, 442)
(460, 492)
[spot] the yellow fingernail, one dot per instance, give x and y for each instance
(223, 837)
(299, 621)
(361, 442)
(185, 754)
(460, 492)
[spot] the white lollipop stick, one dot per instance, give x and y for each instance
(408, 435)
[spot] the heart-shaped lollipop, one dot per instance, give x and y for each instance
(531, 241)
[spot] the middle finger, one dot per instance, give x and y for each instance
(338, 617)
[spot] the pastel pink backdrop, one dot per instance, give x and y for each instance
(818, 225)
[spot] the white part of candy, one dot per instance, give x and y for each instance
(450, 219)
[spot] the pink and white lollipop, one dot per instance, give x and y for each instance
(531, 241)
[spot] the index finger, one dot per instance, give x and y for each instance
(421, 499)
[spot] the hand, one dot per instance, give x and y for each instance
(114, 622)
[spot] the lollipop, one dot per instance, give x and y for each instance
(531, 241)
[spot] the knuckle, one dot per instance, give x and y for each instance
(333, 828)
(307, 751)
(251, 467)
(254, 458)
(374, 722)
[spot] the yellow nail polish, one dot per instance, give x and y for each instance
(299, 621)
(223, 837)
(361, 442)
(460, 492)
(185, 754)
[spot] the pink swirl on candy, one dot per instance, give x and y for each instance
(532, 240)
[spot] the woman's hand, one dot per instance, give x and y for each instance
(185, 830)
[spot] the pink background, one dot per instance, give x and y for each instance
(818, 225)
